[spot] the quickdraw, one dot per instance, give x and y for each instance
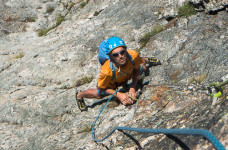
(219, 87)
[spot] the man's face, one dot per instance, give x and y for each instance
(119, 55)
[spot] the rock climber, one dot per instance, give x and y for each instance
(126, 64)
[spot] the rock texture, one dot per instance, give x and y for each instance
(39, 74)
(211, 5)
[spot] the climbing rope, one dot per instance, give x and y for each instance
(208, 135)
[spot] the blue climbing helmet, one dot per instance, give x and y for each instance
(107, 46)
(113, 43)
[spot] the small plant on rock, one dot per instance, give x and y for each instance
(143, 41)
(96, 13)
(45, 31)
(50, 9)
(86, 129)
(42, 32)
(71, 5)
(84, 80)
(60, 19)
(20, 55)
(30, 19)
(82, 5)
(186, 10)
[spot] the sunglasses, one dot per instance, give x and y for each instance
(117, 54)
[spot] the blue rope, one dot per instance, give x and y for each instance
(208, 135)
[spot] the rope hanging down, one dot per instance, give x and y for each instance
(208, 135)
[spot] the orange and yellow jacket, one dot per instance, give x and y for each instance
(123, 74)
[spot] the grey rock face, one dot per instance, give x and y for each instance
(212, 5)
(193, 45)
(38, 75)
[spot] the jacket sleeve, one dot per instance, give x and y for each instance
(105, 77)
(137, 59)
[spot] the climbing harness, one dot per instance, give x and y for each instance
(208, 135)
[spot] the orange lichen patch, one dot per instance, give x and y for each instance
(94, 61)
(57, 118)
(162, 103)
(171, 23)
(223, 97)
(144, 103)
(174, 75)
(158, 93)
(186, 51)
(8, 19)
(156, 97)
(195, 57)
